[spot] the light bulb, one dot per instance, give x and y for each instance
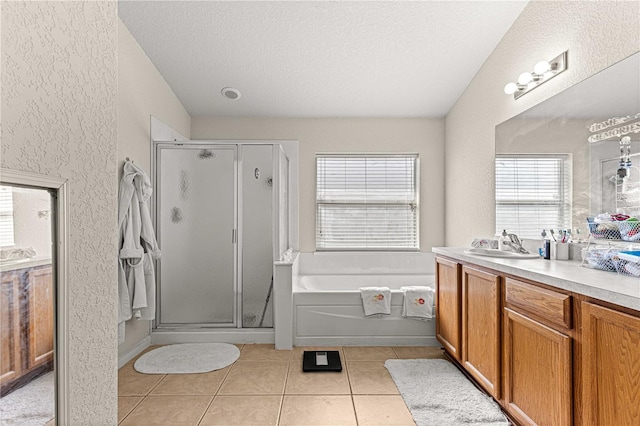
(541, 67)
(510, 88)
(525, 78)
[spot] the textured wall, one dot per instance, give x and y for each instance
(142, 92)
(59, 119)
(422, 135)
(597, 34)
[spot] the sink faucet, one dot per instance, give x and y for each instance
(515, 244)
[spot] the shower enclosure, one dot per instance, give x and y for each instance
(221, 213)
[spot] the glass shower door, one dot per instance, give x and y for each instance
(196, 222)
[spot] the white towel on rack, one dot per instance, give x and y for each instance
(376, 300)
(418, 302)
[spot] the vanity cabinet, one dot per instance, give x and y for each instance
(611, 366)
(10, 360)
(538, 375)
(481, 320)
(448, 306)
(548, 355)
(468, 320)
(27, 324)
(40, 322)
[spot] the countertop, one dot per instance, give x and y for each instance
(562, 274)
(14, 265)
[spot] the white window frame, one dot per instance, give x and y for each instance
(7, 237)
(531, 227)
(412, 202)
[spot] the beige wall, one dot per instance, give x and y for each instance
(424, 136)
(597, 34)
(59, 88)
(142, 92)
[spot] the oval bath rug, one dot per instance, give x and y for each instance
(186, 358)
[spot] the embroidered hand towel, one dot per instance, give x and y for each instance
(376, 300)
(418, 302)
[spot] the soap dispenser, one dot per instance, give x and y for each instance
(502, 240)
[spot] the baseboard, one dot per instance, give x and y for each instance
(128, 356)
(365, 341)
(240, 336)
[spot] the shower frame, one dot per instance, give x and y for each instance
(277, 149)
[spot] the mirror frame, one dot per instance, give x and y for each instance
(61, 256)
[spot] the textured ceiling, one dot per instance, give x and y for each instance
(320, 58)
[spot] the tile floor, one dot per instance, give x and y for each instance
(268, 387)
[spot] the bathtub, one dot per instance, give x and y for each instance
(328, 311)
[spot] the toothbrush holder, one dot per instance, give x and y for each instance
(559, 251)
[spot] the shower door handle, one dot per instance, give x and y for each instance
(233, 236)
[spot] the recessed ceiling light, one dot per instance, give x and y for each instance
(231, 93)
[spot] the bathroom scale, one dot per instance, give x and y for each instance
(321, 361)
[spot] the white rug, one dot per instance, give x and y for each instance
(437, 393)
(31, 405)
(187, 358)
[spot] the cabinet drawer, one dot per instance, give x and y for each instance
(550, 306)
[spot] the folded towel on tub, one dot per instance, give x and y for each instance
(418, 302)
(376, 300)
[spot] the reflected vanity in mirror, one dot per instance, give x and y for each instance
(572, 156)
(27, 304)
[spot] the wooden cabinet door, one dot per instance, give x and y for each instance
(481, 334)
(41, 322)
(448, 294)
(610, 366)
(537, 368)
(10, 362)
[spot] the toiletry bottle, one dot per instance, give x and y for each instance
(501, 241)
(547, 249)
(547, 245)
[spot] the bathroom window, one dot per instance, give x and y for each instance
(6, 216)
(367, 202)
(533, 192)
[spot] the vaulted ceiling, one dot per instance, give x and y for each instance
(319, 58)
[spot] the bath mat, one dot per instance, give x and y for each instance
(187, 358)
(31, 405)
(437, 393)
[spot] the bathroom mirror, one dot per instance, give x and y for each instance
(586, 124)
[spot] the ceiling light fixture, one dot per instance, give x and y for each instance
(231, 93)
(542, 72)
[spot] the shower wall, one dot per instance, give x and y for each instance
(283, 203)
(256, 233)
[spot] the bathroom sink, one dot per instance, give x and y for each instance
(500, 253)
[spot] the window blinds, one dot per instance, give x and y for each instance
(366, 202)
(533, 192)
(6, 216)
